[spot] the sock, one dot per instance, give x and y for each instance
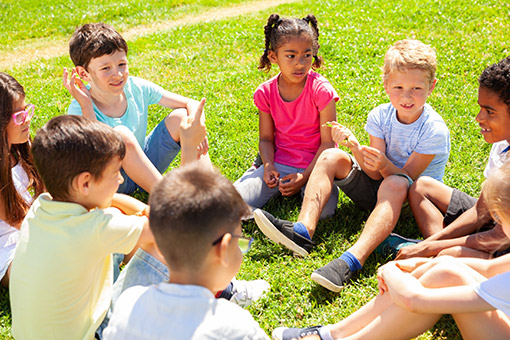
(325, 333)
(226, 293)
(352, 261)
(301, 230)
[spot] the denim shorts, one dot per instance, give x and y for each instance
(142, 270)
(160, 148)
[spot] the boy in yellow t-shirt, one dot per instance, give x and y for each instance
(62, 273)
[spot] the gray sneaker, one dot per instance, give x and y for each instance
(282, 232)
(333, 276)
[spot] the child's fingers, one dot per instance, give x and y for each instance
(199, 111)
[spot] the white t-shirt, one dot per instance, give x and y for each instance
(428, 135)
(495, 291)
(8, 234)
(181, 312)
(498, 156)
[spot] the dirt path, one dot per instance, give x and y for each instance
(46, 48)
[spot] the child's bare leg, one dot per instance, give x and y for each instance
(390, 197)
(380, 318)
(173, 123)
(136, 164)
(429, 200)
(332, 163)
(460, 251)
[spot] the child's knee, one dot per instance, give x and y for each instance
(448, 272)
(173, 122)
(421, 186)
(394, 188)
(127, 135)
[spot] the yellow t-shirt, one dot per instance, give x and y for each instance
(62, 272)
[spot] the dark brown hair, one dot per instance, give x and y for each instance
(496, 78)
(93, 41)
(279, 31)
(189, 209)
(15, 206)
(69, 145)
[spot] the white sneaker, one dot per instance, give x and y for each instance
(245, 292)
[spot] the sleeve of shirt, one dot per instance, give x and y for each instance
(435, 140)
(74, 109)
(495, 291)
(118, 233)
(151, 92)
(261, 98)
(324, 93)
(374, 126)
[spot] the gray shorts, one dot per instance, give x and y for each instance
(359, 187)
(459, 203)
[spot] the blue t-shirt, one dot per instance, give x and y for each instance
(428, 135)
(139, 94)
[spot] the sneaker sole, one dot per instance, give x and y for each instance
(321, 280)
(275, 235)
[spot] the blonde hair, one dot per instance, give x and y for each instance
(410, 54)
(496, 191)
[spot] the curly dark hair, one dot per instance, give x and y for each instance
(278, 31)
(496, 78)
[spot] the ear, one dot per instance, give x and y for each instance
(223, 249)
(433, 86)
(385, 84)
(271, 55)
(81, 183)
(82, 72)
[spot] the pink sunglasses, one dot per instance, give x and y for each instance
(21, 117)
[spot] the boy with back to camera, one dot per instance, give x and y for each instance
(99, 54)
(62, 271)
(196, 220)
(407, 139)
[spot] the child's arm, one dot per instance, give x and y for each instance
(409, 293)
(292, 183)
(193, 132)
(175, 101)
(266, 149)
(129, 205)
(375, 160)
(79, 91)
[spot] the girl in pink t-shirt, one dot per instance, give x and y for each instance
(293, 107)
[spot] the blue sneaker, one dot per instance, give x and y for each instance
(392, 244)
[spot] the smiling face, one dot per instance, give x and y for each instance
(18, 134)
(106, 74)
(494, 116)
(294, 58)
(408, 91)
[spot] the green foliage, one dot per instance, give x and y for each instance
(218, 60)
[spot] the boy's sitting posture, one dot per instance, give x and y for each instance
(196, 220)
(100, 56)
(62, 271)
(407, 139)
(449, 218)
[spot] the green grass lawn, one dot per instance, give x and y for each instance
(218, 60)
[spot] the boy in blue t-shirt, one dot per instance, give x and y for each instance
(112, 97)
(407, 139)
